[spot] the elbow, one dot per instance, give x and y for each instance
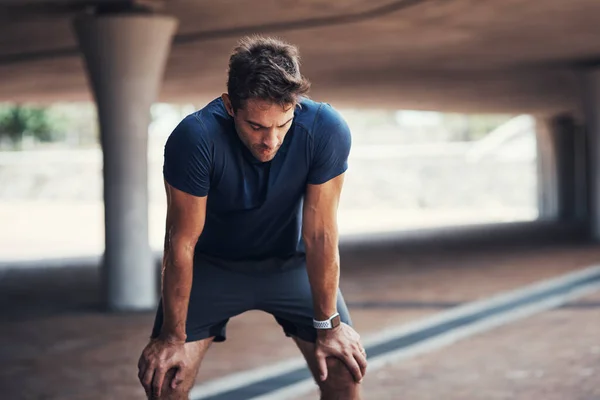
(321, 239)
(309, 241)
(181, 246)
(312, 236)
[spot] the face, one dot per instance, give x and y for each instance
(261, 125)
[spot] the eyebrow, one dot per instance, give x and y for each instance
(257, 124)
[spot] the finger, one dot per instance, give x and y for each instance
(177, 378)
(361, 360)
(353, 367)
(322, 365)
(141, 371)
(147, 379)
(360, 349)
(157, 382)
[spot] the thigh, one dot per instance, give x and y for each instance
(308, 351)
(288, 297)
(195, 353)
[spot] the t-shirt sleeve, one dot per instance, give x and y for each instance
(187, 158)
(331, 146)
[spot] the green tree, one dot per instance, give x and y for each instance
(17, 121)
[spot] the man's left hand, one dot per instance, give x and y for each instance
(343, 343)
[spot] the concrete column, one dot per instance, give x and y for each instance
(591, 107)
(562, 186)
(125, 55)
(547, 182)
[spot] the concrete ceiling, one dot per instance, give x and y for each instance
(455, 55)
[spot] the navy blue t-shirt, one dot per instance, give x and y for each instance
(254, 209)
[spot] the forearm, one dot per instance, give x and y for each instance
(176, 286)
(323, 267)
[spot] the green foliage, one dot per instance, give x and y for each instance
(17, 121)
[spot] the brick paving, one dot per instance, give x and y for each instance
(552, 356)
(593, 298)
(56, 344)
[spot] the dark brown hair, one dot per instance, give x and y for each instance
(266, 69)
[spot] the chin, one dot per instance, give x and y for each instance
(265, 157)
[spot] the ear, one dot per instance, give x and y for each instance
(227, 102)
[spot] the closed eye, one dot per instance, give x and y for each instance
(257, 127)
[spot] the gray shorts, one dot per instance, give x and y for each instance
(219, 293)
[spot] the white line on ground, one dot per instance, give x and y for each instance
(244, 378)
(482, 305)
(298, 389)
(239, 379)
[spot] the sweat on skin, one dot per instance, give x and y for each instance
(252, 190)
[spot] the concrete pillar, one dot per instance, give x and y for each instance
(591, 107)
(547, 182)
(562, 186)
(125, 55)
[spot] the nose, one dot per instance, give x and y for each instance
(271, 140)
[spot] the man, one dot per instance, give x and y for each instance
(253, 182)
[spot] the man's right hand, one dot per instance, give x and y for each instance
(160, 356)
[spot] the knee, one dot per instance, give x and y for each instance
(339, 379)
(181, 392)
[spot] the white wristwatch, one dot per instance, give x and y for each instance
(329, 323)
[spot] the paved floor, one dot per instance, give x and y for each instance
(55, 343)
(552, 356)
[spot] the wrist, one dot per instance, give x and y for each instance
(331, 322)
(323, 313)
(172, 337)
(324, 333)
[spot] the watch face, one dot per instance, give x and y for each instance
(335, 321)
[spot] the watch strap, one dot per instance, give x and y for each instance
(329, 323)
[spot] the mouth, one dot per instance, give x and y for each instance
(265, 155)
(266, 151)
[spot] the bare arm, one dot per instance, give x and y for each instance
(320, 235)
(185, 221)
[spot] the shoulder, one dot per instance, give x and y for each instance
(321, 120)
(329, 118)
(214, 117)
(202, 127)
(315, 117)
